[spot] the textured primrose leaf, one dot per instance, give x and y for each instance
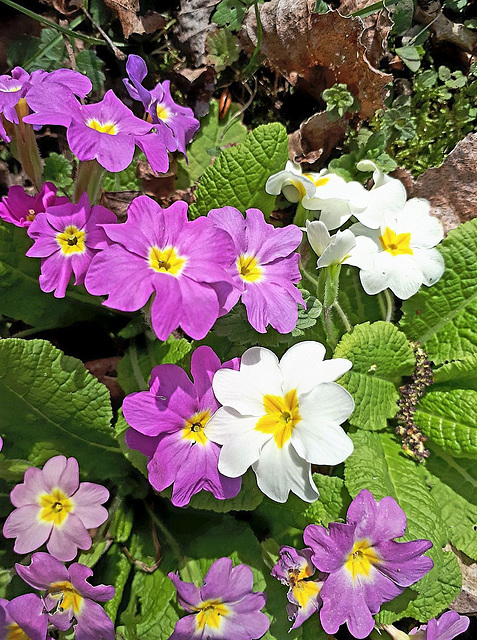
(20, 295)
(52, 405)
(381, 355)
(115, 569)
(223, 49)
(453, 484)
(238, 176)
(91, 65)
(58, 170)
(379, 465)
(460, 374)
(248, 499)
(441, 317)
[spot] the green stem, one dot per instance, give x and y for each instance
(372, 8)
(171, 541)
(302, 215)
(389, 305)
(256, 51)
(89, 178)
(328, 325)
(344, 318)
(332, 284)
(309, 277)
(25, 148)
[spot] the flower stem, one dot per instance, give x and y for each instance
(88, 178)
(389, 304)
(301, 215)
(25, 148)
(171, 541)
(344, 318)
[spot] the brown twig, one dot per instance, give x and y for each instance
(443, 29)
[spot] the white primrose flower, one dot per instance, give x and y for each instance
(291, 182)
(280, 417)
(405, 257)
(337, 199)
(342, 248)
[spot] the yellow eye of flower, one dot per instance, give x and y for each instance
(166, 260)
(55, 507)
(282, 415)
(396, 244)
(249, 268)
(210, 613)
(103, 127)
(361, 559)
(194, 427)
(71, 240)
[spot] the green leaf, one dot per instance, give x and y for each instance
(136, 458)
(381, 355)
(378, 464)
(460, 373)
(439, 317)
(58, 170)
(213, 134)
(125, 180)
(230, 13)
(410, 56)
(20, 295)
(449, 418)
(238, 176)
(223, 49)
(453, 485)
(45, 393)
(115, 569)
(402, 15)
(88, 63)
(13, 470)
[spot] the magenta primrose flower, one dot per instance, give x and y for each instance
(157, 251)
(175, 125)
(293, 570)
(265, 268)
(66, 237)
(20, 209)
(23, 618)
(170, 431)
(69, 598)
(106, 131)
(447, 627)
(366, 566)
(52, 506)
(224, 608)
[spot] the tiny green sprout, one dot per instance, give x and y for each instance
(339, 100)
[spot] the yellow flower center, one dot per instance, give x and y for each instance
(320, 182)
(67, 596)
(361, 559)
(56, 507)
(166, 260)
(194, 427)
(162, 112)
(14, 632)
(248, 268)
(304, 591)
(71, 240)
(396, 244)
(31, 215)
(210, 613)
(282, 416)
(103, 127)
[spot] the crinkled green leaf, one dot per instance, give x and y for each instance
(115, 569)
(20, 295)
(379, 465)
(381, 355)
(52, 405)
(449, 418)
(460, 373)
(13, 470)
(213, 135)
(125, 180)
(136, 458)
(58, 170)
(439, 317)
(453, 485)
(238, 176)
(223, 49)
(230, 13)
(88, 63)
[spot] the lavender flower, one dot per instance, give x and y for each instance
(224, 607)
(52, 506)
(157, 251)
(292, 569)
(171, 431)
(20, 209)
(69, 597)
(67, 236)
(175, 125)
(447, 627)
(265, 269)
(366, 566)
(23, 618)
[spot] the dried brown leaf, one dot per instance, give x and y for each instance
(66, 7)
(197, 85)
(193, 25)
(451, 187)
(314, 51)
(105, 370)
(127, 12)
(316, 138)
(118, 202)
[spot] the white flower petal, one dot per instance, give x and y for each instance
(237, 455)
(291, 183)
(338, 250)
(318, 236)
(227, 424)
(233, 389)
(280, 471)
(334, 213)
(261, 368)
(406, 277)
(431, 264)
(426, 231)
(390, 197)
(362, 255)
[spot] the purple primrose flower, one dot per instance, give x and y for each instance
(23, 618)
(265, 269)
(52, 506)
(175, 125)
(69, 598)
(447, 627)
(292, 569)
(366, 566)
(20, 209)
(67, 236)
(224, 608)
(157, 251)
(168, 426)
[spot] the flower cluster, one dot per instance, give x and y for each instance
(359, 560)
(52, 506)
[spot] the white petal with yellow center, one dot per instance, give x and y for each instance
(291, 182)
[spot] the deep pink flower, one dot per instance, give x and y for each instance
(23, 618)
(157, 251)
(67, 236)
(265, 268)
(171, 431)
(225, 607)
(20, 209)
(366, 566)
(52, 506)
(69, 598)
